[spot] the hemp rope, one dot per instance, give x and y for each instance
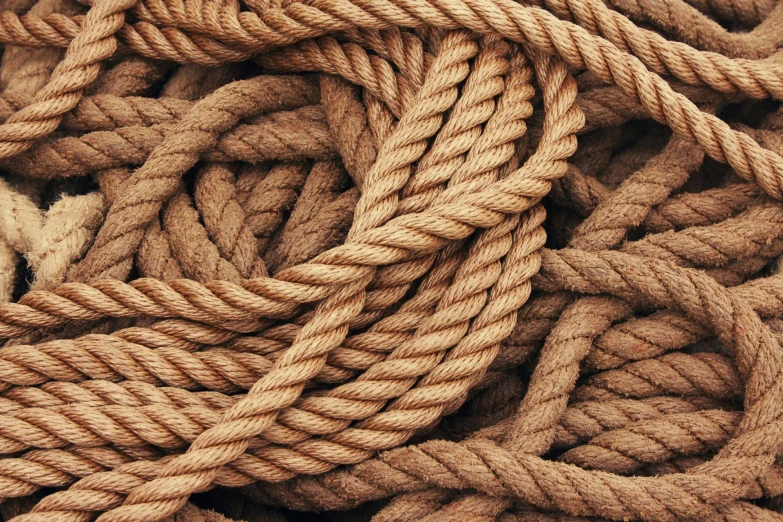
(745, 12)
(78, 69)
(634, 38)
(360, 247)
(155, 257)
(263, 95)
(268, 138)
(22, 371)
(407, 462)
(677, 18)
(50, 241)
(177, 251)
(583, 234)
(621, 212)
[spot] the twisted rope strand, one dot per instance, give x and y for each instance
(533, 427)
(78, 69)
(486, 198)
(667, 330)
(269, 137)
(658, 54)
(518, 476)
(705, 374)
(745, 12)
(121, 232)
(345, 303)
(610, 221)
(567, 128)
(609, 63)
(678, 434)
(197, 411)
(362, 244)
(679, 19)
(620, 60)
(551, 73)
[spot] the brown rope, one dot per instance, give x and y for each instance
(687, 24)
(78, 69)
(610, 221)
(305, 242)
(348, 124)
(126, 213)
(499, 476)
(745, 12)
(270, 137)
(522, 244)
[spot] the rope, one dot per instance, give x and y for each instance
(405, 468)
(270, 137)
(78, 69)
(431, 261)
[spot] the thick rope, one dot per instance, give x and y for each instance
(331, 217)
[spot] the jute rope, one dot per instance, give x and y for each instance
(432, 261)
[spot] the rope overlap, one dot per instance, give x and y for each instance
(421, 260)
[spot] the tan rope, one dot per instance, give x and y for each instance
(132, 202)
(497, 477)
(679, 19)
(526, 247)
(78, 69)
(305, 251)
(745, 12)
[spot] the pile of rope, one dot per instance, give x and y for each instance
(391, 260)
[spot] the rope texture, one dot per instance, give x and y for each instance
(420, 260)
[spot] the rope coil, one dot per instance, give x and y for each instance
(486, 260)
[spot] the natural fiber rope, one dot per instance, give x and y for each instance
(269, 138)
(679, 19)
(527, 18)
(186, 137)
(499, 471)
(745, 12)
(601, 236)
(50, 241)
(341, 222)
(78, 69)
(600, 17)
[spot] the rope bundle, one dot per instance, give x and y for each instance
(478, 260)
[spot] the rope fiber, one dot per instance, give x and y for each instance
(391, 260)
